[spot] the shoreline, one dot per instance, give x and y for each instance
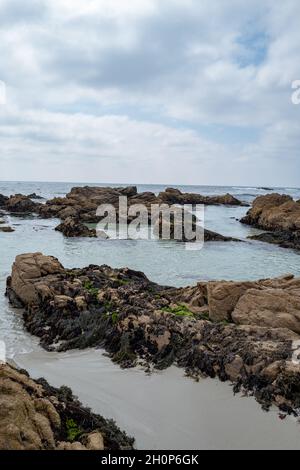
(144, 404)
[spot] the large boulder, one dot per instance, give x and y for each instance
(268, 302)
(270, 307)
(36, 416)
(29, 270)
(274, 212)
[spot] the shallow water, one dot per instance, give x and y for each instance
(223, 421)
(165, 410)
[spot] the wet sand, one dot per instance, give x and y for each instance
(165, 410)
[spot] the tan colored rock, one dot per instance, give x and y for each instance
(29, 268)
(94, 441)
(234, 368)
(274, 212)
(223, 297)
(276, 308)
(27, 421)
(70, 446)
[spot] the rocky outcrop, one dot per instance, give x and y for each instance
(36, 416)
(19, 204)
(274, 212)
(72, 227)
(237, 331)
(83, 202)
(175, 196)
(279, 214)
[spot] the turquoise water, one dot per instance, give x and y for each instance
(165, 262)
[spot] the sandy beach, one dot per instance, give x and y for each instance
(165, 410)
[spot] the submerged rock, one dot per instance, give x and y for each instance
(6, 229)
(235, 331)
(282, 238)
(72, 227)
(36, 416)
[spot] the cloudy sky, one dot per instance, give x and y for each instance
(150, 91)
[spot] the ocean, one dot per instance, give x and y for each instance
(165, 262)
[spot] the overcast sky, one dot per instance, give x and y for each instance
(150, 91)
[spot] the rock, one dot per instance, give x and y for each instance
(68, 212)
(256, 324)
(270, 307)
(21, 204)
(274, 212)
(71, 446)
(95, 441)
(6, 229)
(283, 238)
(233, 369)
(82, 202)
(175, 229)
(3, 200)
(175, 196)
(72, 227)
(35, 196)
(36, 416)
(28, 268)
(223, 297)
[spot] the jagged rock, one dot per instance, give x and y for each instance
(135, 319)
(36, 416)
(72, 227)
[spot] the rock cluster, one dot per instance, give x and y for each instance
(173, 228)
(175, 196)
(19, 204)
(36, 416)
(83, 202)
(280, 215)
(246, 332)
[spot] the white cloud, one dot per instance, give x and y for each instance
(149, 84)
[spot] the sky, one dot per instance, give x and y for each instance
(150, 91)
